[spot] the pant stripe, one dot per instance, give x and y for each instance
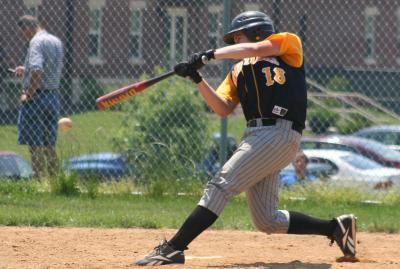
(262, 153)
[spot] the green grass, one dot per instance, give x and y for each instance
(91, 132)
(30, 203)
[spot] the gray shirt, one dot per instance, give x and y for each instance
(45, 54)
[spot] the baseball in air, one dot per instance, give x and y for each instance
(64, 124)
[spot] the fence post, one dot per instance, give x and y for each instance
(225, 68)
(69, 58)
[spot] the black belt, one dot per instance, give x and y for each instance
(271, 122)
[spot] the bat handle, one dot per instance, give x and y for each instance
(10, 70)
(205, 59)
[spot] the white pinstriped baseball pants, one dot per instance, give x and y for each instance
(254, 168)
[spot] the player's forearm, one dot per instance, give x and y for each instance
(35, 77)
(216, 103)
(244, 50)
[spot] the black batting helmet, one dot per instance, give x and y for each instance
(254, 24)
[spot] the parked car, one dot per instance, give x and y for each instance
(104, 165)
(366, 147)
(350, 166)
(108, 165)
(13, 166)
(386, 134)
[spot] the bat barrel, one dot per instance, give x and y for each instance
(120, 95)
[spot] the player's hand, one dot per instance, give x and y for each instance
(185, 69)
(25, 97)
(19, 71)
(197, 59)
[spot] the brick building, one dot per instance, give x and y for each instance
(112, 40)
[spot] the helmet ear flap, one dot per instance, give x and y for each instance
(258, 33)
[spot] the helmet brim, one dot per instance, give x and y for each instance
(228, 37)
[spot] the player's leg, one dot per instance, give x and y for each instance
(30, 132)
(51, 160)
(250, 161)
(263, 203)
(38, 161)
(51, 110)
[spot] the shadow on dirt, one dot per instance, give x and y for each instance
(290, 265)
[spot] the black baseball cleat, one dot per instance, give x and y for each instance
(162, 254)
(345, 234)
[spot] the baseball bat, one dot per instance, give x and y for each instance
(120, 95)
(10, 70)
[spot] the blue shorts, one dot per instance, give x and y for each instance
(37, 119)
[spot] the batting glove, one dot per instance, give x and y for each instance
(185, 69)
(197, 60)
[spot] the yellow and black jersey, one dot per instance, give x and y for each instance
(270, 87)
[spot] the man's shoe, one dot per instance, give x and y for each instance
(162, 254)
(345, 234)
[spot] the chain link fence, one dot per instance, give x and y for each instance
(352, 58)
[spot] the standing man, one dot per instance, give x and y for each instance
(40, 104)
(269, 83)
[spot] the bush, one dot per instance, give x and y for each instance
(320, 120)
(338, 84)
(355, 123)
(91, 184)
(91, 89)
(8, 186)
(163, 133)
(64, 184)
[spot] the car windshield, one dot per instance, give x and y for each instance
(383, 150)
(360, 162)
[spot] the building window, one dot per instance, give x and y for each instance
(215, 28)
(95, 33)
(370, 19)
(95, 25)
(135, 30)
(178, 24)
(32, 7)
(251, 7)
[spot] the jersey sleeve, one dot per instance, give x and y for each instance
(227, 90)
(291, 49)
(35, 55)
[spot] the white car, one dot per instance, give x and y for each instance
(350, 166)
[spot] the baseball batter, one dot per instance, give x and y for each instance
(269, 83)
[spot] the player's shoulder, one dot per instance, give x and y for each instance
(285, 37)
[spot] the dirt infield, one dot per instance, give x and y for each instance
(27, 247)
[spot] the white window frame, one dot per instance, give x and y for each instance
(252, 7)
(398, 36)
(33, 5)
(97, 5)
(216, 9)
(173, 14)
(137, 6)
(370, 13)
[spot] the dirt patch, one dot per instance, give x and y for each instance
(27, 247)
